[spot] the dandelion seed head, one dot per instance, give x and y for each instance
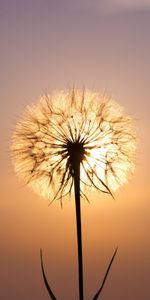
(68, 128)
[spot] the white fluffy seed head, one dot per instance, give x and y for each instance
(39, 143)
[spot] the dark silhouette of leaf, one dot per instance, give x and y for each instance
(106, 274)
(45, 279)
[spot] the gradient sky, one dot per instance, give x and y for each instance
(101, 45)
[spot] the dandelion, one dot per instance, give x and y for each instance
(74, 139)
(69, 129)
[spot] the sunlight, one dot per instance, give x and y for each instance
(89, 125)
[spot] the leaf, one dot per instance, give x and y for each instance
(106, 274)
(45, 279)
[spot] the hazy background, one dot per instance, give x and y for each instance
(105, 46)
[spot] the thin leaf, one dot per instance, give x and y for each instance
(106, 274)
(45, 279)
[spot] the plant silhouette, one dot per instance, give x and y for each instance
(77, 139)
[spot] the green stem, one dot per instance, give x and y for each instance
(78, 226)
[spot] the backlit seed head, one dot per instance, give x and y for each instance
(68, 128)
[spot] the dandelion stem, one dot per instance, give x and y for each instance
(78, 224)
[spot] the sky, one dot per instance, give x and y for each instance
(52, 45)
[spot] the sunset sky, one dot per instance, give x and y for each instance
(50, 45)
